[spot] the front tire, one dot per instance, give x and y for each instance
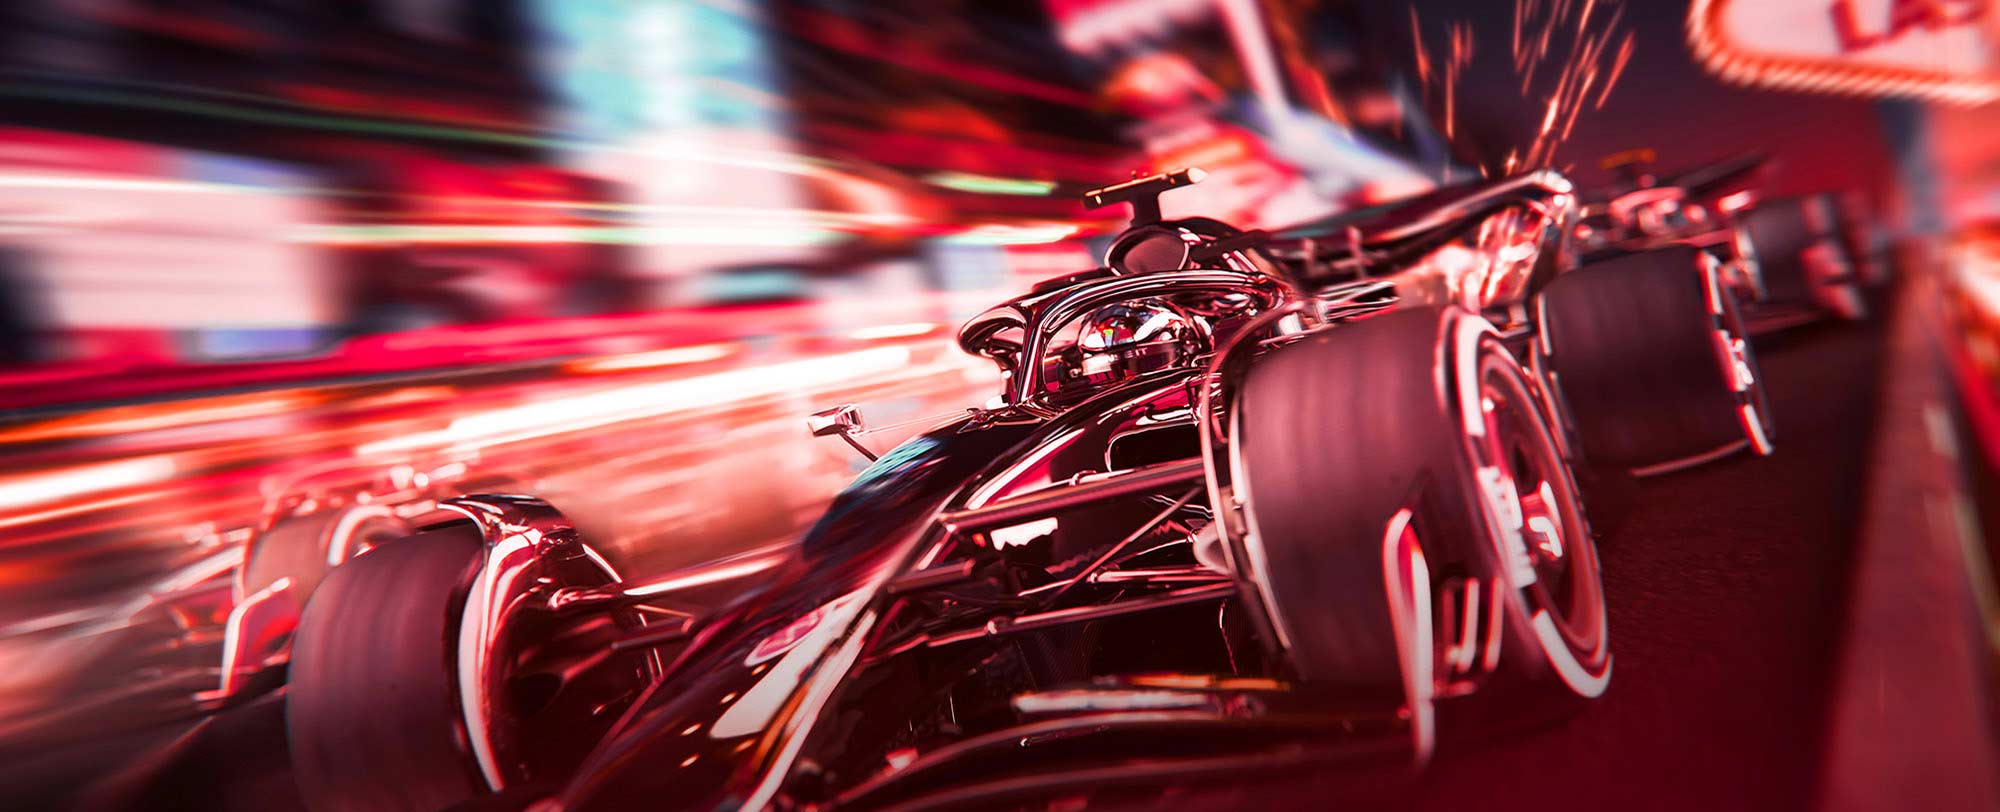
(1368, 463)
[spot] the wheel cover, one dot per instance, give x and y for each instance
(1531, 502)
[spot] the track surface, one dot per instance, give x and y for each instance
(1726, 587)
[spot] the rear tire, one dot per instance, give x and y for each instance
(1803, 256)
(381, 713)
(1780, 232)
(1650, 354)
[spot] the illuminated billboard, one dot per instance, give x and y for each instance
(1941, 50)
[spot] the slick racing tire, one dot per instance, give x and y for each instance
(1780, 232)
(1857, 233)
(1650, 355)
(1838, 260)
(375, 713)
(1803, 257)
(1363, 481)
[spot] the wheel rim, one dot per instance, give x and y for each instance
(1738, 363)
(1532, 502)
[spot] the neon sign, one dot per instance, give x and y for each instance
(1942, 50)
(1904, 16)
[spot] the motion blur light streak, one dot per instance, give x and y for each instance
(800, 233)
(37, 489)
(705, 577)
(979, 183)
(657, 358)
(576, 413)
(107, 184)
(1010, 235)
(915, 328)
(154, 417)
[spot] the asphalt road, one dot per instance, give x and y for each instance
(1727, 589)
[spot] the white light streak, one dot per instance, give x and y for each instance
(676, 356)
(915, 328)
(606, 407)
(707, 576)
(80, 481)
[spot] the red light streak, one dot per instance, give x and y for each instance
(1458, 55)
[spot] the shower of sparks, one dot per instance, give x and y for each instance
(1568, 44)
(1458, 55)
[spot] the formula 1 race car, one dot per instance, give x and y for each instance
(1247, 499)
(1791, 259)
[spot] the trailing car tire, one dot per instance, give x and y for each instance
(1780, 231)
(1837, 261)
(1649, 354)
(1804, 256)
(372, 710)
(1353, 458)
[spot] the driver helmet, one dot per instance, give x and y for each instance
(1128, 338)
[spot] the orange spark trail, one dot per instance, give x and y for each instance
(1423, 59)
(1572, 38)
(1617, 69)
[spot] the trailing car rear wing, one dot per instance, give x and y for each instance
(1721, 176)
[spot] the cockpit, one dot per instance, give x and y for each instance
(1167, 291)
(1171, 291)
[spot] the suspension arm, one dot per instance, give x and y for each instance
(1058, 498)
(1081, 614)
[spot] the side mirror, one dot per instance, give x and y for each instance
(843, 421)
